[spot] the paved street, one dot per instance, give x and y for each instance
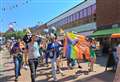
(44, 74)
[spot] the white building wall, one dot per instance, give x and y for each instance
(82, 28)
(76, 9)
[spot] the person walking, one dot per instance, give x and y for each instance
(17, 58)
(53, 49)
(26, 40)
(47, 52)
(92, 60)
(33, 54)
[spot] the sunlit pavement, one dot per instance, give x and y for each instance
(44, 73)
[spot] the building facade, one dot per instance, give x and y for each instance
(90, 16)
(107, 17)
(108, 13)
(38, 29)
(81, 18)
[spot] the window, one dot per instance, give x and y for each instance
(93, 8)
(66, 20)
(81, 14)
(60, 23)
(77, 15)
(70, 18)
(56, 24)
(85, 12)
(63, 21)
(89, 10)
(73, 17)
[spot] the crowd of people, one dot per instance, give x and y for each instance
(31, 50)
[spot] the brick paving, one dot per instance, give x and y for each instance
(44, 73)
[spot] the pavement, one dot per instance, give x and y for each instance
(44, 73)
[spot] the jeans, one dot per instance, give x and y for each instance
(17, 63)
(33, 63)
(54, 67)
(46, 57)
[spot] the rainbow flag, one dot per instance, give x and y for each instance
(71, 46)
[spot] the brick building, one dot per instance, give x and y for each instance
(107, 17)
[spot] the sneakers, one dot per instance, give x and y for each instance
(79, 67)
(46, 65)
(16, 79)
(61, 72)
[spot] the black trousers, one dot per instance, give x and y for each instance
(33, 63)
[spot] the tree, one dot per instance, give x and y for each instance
(16, 34)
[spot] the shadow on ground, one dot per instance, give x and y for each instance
(7, 78)
(106, 76)
(102, 60)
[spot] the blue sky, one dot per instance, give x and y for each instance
(29, 14)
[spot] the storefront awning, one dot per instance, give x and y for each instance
(105, 32)
(115, 35)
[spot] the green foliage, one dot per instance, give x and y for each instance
(16, 34)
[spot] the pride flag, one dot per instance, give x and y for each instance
(72, 45)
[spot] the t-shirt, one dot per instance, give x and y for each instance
(33, 51)
(54, 46)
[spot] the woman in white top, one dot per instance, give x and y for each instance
(33, 54)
